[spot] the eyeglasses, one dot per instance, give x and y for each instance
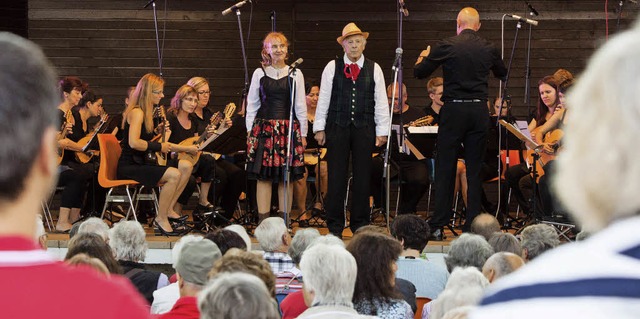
(190, 99)
(204, 92)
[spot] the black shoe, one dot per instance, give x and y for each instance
(180, 220)
(436, 235)
(177, 231)
(304, 223)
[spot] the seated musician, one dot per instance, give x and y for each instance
(73, 176)
(548, 203)
(229, 179)
(312, 161)
(518, 177)
(183, 128)
(139, 141)
(413, 171)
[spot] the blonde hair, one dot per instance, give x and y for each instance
(598, 169)
(266, 44)
(141, 97)
(181, 93)
(433, 84)
(197, 82)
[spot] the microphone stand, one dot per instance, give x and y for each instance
(503, 98)
(155, 23)
(273, 21)
(397, 82)
(287, 172)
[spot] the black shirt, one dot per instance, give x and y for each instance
(466, 60)
(436, 116)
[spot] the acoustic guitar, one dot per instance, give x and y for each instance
(86, 155)
(68, 118)
(552, 137)
(215, 121)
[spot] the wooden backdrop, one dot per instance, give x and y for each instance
(111, 43)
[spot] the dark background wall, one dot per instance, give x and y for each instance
(111, 43)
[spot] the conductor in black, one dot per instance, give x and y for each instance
(466, 60)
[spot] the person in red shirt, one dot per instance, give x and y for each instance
(35, 285)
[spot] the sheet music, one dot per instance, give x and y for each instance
(423, 129)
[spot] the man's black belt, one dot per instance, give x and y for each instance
(467, 101)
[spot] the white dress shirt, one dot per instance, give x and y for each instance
(380, 96)
(300, 101)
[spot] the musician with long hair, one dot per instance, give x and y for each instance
(138, 136)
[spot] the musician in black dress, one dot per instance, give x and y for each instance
(268, 106)
(138, 133)
(229, 179)
(72, 176)
(184, 127)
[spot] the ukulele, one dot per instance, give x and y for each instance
(68, 118)
(86, 155)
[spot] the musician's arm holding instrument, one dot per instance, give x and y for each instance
(552, 123)
(135, 120)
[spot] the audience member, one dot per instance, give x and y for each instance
(375, 292)
(94, 246)
(428, 278)
(464, 288)
(129, 244)
(485, 225)
(328, 287)
(226, 239)
(536, 239)
(195, 262)
(501, 264)
(599, 277)
(505, 242)
(468, 250)
(165, 297)
(293, 304)
(88, 261)
(242, 232)
(236, 260)
(95, 225)
(274, 239)
(35, 285)
(236, 296)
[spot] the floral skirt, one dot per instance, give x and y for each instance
(267, 150)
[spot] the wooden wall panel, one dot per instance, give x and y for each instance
(111, 44)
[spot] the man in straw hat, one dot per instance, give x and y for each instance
(352, 116)
(466, 60)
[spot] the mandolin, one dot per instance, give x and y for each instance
(68, 118)
(161, 158)
(423, 121)
(86, 154)
(216, 120)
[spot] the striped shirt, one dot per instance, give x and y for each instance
(597, 278)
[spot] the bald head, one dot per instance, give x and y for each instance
(485, 225)
(501, 264)
(468, 18)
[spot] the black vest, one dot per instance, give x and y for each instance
(353, 102)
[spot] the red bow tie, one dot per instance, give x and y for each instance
(351, 71)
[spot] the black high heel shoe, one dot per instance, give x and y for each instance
(180, 220)
(158, 230)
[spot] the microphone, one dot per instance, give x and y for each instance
(396, 61)
(533, 11)
(296, 63)
(521, 19)
(235, 7)
(148, 4)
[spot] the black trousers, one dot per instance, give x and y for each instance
(415, 177)
(342, 143)
(466, 123)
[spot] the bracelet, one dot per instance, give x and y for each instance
(154, 146)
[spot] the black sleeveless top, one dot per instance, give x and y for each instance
(275, 98)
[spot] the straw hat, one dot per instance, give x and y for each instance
(349, 30)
